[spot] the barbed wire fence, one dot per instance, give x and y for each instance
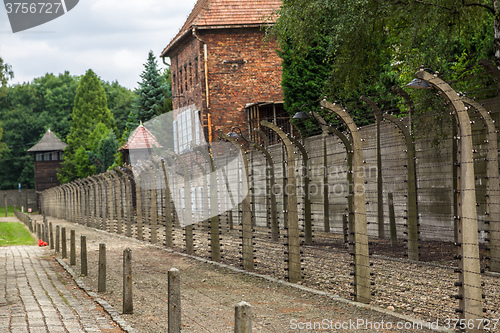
(299, 212)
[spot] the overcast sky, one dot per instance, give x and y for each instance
(112, 37)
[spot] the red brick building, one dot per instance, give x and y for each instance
(48, 154)
(224, 73)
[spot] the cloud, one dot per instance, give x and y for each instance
(113, 37)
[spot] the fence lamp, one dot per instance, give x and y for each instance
(302, 115)
(236, 133)
(419, 83)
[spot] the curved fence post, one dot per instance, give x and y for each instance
(169, 240)
(272, 209)
(411, 202)
(294, 265)
(214, 210)
(380, 181)
(362, 285)
(308, 236)
(348, 147)
(246, 208)
(492, 186)
(469, 284)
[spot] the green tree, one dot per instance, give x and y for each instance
(6, 73)
(120, 103)
(103, 157)
(373, 45)
(151, 91)
(90, 108)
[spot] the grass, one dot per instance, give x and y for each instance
(10, 211)
(15, 233)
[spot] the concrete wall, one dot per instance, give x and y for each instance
(23, 198)
(434, 177)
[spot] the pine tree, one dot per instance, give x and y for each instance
(90, 109)
(151, 91)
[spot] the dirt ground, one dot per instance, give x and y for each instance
(209, 294)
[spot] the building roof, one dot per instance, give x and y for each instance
(49, 142)
(141, 138)
(227, 13)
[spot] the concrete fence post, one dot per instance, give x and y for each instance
(128, 306)
(293, 236)
(168, 209)
(243, 318)
(308, 235)
(154, 207)
(72, 251)
(64, 250)
(138, 204)
(362, 285)
(174, 301)
(272, 208)
(83, 255)
(469, 284)
(101, 275)
(214, 206)
(246, 210)
(492, 187)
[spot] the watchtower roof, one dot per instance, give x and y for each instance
(141, 138)
(49, 142)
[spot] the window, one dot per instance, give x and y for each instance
(190, 75)
(39, 156)
(180, 81)
(185, 78)
(187, 129)
(196, 71)
(55, 156)
(46, 156)
(174, 84)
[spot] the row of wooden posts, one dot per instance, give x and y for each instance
(44, 232)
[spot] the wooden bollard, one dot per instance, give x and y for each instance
(51, 236)
(64, 250)
(128, 306)
(58, 239)
(174, 301)
(101, 278)
(243, 318)
(83, 255)
(72, 248)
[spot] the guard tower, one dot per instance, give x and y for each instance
(48, 153)
(139, 145)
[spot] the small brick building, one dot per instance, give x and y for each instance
(224, 73)
(48, 154)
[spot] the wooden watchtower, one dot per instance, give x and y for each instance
(48, 154)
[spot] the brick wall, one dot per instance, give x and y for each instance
(242, 69)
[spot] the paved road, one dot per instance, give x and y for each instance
(37, 295)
